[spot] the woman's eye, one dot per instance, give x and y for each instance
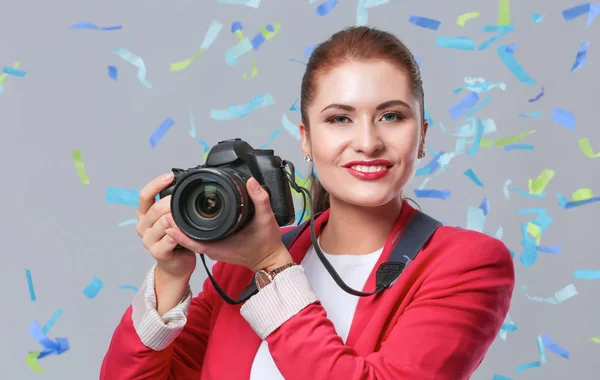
(339, 119)
(391, 116)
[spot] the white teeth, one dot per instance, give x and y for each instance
(368, 169)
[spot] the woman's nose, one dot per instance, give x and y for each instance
(367, 139)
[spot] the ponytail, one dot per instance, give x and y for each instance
(319, 195)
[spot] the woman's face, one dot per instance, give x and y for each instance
(365, 132)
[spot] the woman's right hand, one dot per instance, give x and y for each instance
(151, 226)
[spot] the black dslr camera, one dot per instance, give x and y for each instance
(210, 201)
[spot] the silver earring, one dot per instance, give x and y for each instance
(421, 154)
(307, 159)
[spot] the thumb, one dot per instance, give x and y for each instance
(259, 196)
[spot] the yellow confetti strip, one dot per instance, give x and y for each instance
(240, 35)
(32, 361)
(462, 19)
(485, 143)
(178, 66)
(83, 178)
(535, 231)
(503, 12)
(3, 75)
(595, 339)
(584, 145)
(583, 194)
(537, 185)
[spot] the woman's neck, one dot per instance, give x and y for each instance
(353, 230)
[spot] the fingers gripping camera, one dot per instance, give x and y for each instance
(210, 201)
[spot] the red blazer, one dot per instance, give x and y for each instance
(436, 322)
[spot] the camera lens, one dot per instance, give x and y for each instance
(209, 203)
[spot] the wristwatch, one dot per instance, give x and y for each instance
(263, 278)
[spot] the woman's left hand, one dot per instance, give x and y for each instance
(256, 246)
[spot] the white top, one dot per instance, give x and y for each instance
(306, 283)
(339, 305)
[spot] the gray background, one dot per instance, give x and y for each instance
(65, 232)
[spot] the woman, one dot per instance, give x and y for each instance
(363, 127)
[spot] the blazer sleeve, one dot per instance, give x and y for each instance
(443, 333)
(176, 353)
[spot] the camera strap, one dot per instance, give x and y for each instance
(419, 230)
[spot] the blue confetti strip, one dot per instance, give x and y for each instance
(56, 347)
(290, 127)
(478, 106)
(576, 11)
(249, 3)
(93, 288)
(523, 367)
(471, 175)
(273, 135)
(518, 147)
(160, 132)
(464, 105)
(14, 72)
(581, 56)
(119, 196)
(294, 106)
(129, 287)
(425, 22)
(237, 111)
(583, 274)
(90, 26)
(136, 61)
(52, 321)
(112, 72)
(326, 7)
(537, 17)
(555, 249)
(564, 118)
(511, 63)
(477, 141)
(460, 43)
(553, 347)
(30, 285)
(431, 166)
(431, 193)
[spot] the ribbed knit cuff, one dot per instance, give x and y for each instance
(155, 332)
(272, 306)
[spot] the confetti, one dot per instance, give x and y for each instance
(273, 135)
(136, 61)
(564, 118)
(463, 18)
(584, 145)
(523, 367)
(541, 349)
(14, 72)
(439, 194)
(473, 177)
(128, 222)
(505, 189)
(595, 339)
(93, 288)
(234, 112)
(478, 106)
(308, 50)
(236, 28)
(209, 38)
(553, 347)
(583, 274)
(500, 377)
(30, 285)
(463, 106)
(537, 17)
(477, 141)
(425, 22)
(112, 72)
(500, 31)
(51, 347)
(475, 219)
(52, 321)
(533, 115)
(129, 287)
(555, 249)
(537, 185)
(511, 63)
(581, 56)
(233, 54)
(160, 132)
(290, 127)
(192, 131)
(90, 26)
(79, 167)
(538, 96)
(32, 362)
(503, 12)
(461, 43)
(362, 17)
(119, 196)
(518, 147)
(250, 3)
(579, 10)
(326, 7)
(294, 106)
(560, 296)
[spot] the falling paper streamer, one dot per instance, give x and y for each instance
(475, 219)
(119, 196)
(237, 111)
(14, 72)
(326, 7)
(541, 349)
(564, 118)
(581, 56)
(249, 3)
(160, 132)
(463, 106)
(463, 18)
(52, 321)
(512, 140)
(461, 43)
(534, 115)
(290, 127)
(560, 296)
(136, 61)
(90, 26)
(503, 12)
(233, 54)
(511, 63)
(112, 72)
(192, 131)
(583, 274)
(500, 31)
(30, 285)
(477, 141)
(431, 193)
(32, 362)
(273, 135)
(537, 17)
(518, 147)
(266, 33)
(538, 96)
(362, 17)
(79, 167)
(537, 185)
(425, 22)
(505, 189)
(500, 377)
(4, 75)
(308, 50)
(595, 339)
(236, 28)
(56, 347)
(553, 347)
(592, 11)
(93, 288)
(128, 222)
(523, 367)
(129, 287)
(478, 106)
(294, 106)
(209, 38)
(471, 175)
(511, 48)
(584, 145)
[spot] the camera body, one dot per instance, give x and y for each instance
(210, 201)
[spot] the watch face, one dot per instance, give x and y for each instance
(262, 279)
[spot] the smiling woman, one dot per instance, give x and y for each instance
(363, 128)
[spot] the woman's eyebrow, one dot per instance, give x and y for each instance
(389, 103)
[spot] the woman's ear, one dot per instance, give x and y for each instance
(423, 134)
(304, 140)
